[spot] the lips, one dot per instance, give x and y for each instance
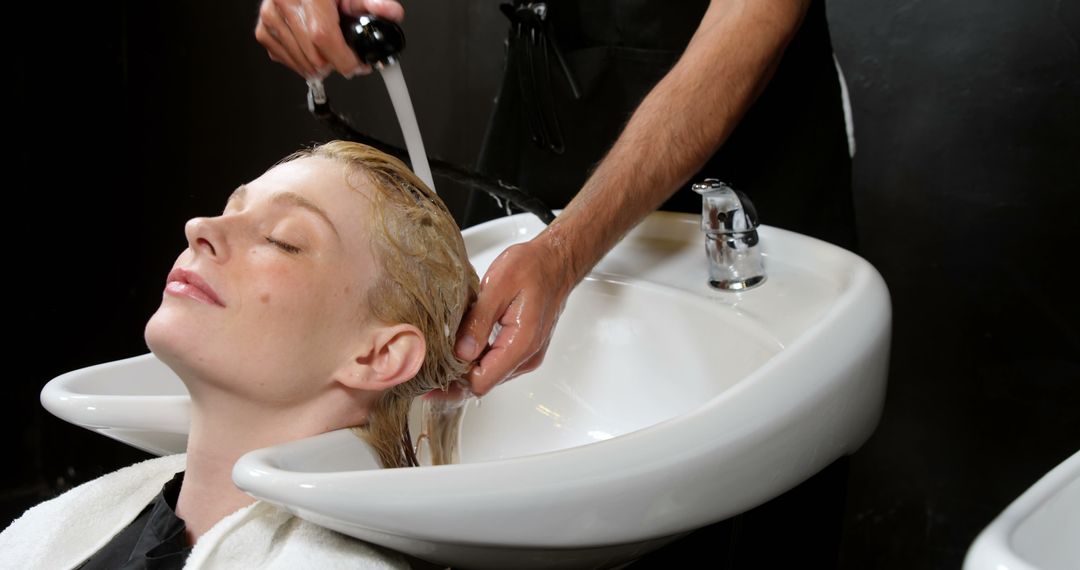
(185, 282)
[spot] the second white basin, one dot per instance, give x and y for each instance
(1040, 530)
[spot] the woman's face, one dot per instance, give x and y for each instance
(290, 286)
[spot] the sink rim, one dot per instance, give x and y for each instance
(993, 547)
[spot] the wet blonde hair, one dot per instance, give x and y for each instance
(424, 278)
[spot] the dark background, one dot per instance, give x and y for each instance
(132, 117)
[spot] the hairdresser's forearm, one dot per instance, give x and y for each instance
(677, 127)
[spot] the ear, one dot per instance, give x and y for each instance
(392, 354)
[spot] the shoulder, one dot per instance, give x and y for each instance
(271, 538)
(84, 518)
(126, 487)
(151, 473)
(343, 551)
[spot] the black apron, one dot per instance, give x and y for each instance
(789, 153)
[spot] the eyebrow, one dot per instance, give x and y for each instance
(289, 199)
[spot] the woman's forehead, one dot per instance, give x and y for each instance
(338, 192)
(315, 173)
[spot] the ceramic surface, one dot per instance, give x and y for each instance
(662, 406)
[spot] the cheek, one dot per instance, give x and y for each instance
(283, 294)
(299, 302)
(351, 302)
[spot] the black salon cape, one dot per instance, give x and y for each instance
(153, 541)
(789, 153)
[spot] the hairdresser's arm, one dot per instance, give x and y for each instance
(305, 36)
(677, 127)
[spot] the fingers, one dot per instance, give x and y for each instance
(496, 366)
(476, 327)
(268, 33)
(524, 293)
(278, 35)
(382, 8)
(518, 341)
(296, 17)
(325, 29)
(274, 48)
(305, 35)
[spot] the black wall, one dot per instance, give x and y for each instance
(966, 178)
(131, 117)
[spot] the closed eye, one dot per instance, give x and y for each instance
(284, 246)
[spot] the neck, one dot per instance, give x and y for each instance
(223, 428)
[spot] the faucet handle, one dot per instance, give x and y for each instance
(725, 209)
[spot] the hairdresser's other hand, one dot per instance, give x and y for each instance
(524, 291)
(305, 35)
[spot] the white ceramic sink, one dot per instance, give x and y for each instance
(1039, 531)
(662, 406)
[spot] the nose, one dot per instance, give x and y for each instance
(206, 237)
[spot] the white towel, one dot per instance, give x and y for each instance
(65, 531)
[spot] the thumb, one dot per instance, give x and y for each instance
(476, 327)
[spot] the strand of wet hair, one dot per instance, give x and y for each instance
(502, 191)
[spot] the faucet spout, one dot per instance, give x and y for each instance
(730, 222)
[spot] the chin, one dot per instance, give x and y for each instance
(176, 340)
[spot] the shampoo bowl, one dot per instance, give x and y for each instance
(662, 406)
(1038, 531)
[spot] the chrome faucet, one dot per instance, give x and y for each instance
(730, 223)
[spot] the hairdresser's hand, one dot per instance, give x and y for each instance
(305, 35)
(524, 291)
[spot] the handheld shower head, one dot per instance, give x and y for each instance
(375, 40)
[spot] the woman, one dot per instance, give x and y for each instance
(325, 296)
